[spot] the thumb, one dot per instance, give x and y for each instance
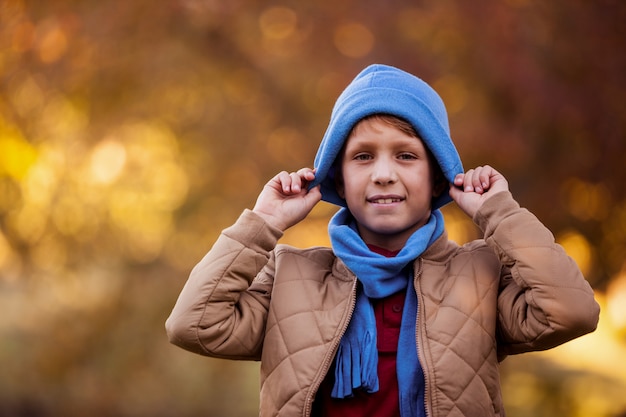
(455, 192)
(313, 196)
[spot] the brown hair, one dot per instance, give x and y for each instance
(393, 121)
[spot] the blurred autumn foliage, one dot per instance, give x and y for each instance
(132, 132)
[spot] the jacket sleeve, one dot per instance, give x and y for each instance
(543, 300)
(218, 312)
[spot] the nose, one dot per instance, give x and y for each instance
(383, 172)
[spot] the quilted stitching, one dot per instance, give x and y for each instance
(301, 326)
(460, 315)
(310, 292)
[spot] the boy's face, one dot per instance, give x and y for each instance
(387, 182)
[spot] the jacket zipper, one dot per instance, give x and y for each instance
(420, 339)
(308, 405)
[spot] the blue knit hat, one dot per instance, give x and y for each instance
(382, 89)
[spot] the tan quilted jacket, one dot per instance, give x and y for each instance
(514, 291)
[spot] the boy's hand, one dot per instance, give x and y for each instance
(285, 199)
(472, 189)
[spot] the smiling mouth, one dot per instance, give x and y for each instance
(385, 200)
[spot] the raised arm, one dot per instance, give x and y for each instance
(218, 312)
(544, 299)
(222, 308)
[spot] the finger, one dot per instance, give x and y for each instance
(296, 182)
(458, 179)
(468, 181)
(313, 196)
(306, 175)
(485, 177)
(477, 180)
(455, 191)
(284, 181)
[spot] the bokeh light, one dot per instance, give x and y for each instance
(354, 39)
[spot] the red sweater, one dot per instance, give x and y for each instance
(384, 402)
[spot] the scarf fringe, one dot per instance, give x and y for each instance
(360, 370)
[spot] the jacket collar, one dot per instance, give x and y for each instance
(441, 250)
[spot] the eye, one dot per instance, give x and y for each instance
(407, 156)
(362, 157)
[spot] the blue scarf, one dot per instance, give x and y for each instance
(380, 276)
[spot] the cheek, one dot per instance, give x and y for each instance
(350, 188)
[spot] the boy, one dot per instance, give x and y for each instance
(394, 319)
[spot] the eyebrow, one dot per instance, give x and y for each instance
(371, 143)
